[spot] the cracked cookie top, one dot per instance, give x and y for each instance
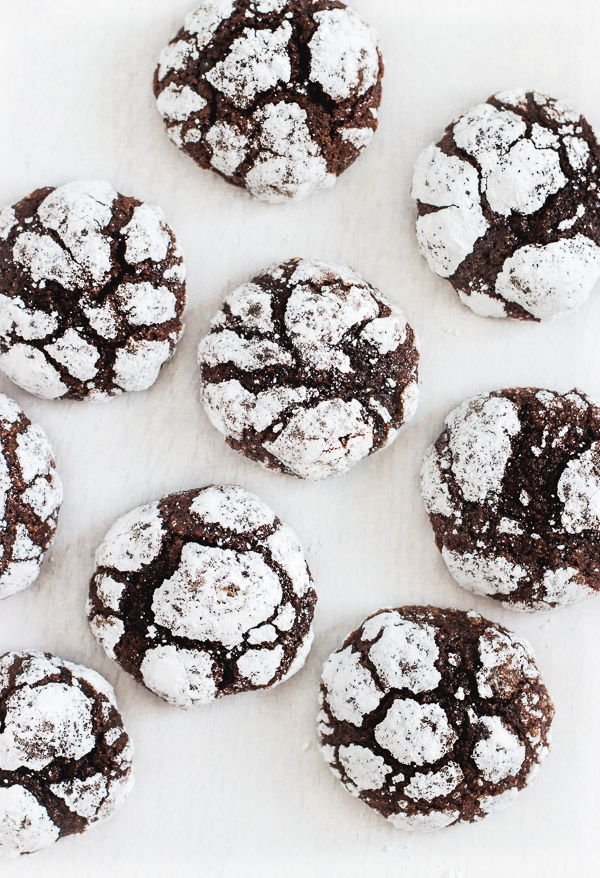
(202, 594)
(433, 717)
(65, 757)
(511, 487)
(508, 206)
(31, 494)
(91, 292)
(276, 96)
(308, 369)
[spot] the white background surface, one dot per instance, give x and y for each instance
(238, 788)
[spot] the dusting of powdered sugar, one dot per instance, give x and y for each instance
(290, 163)
(45, 723)
(138, 363)
(505, 660)
(553, 279)
(286, 550)
(324, 441)
(26, 826)
(133, 541)
(232, 508)
(415, 734)
(182, 676)
(146, 235)
(447, 236)
(579, 492)
(344, 54)
(35, 485)
(78, 356)
(423, 822)
(484, 574)
(435, 491)
(256, 62)
(479, 437)
(259, 666)
(404, 653)
(499, 753)
(317, 320)
(563, 587)
(365, 769)
(431, 784)
(216, 594)
(351, 690)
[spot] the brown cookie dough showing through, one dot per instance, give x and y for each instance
(31, 493)
(308, 369)
(512, 488)
(508, 206)
(433, 717)
(276, 96)
(202, 594)
(91, 292)
(65, 757)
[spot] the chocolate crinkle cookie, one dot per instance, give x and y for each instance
(202, 594)
(308, 369)
(276, 96)
(511, 487)
(433, 717)
(508, 207)
(65, 758)
(91, 292)
(31, 493)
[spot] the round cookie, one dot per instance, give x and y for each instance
(31, 493)
(433, 717)
(276, 96)
(202, 594)
(91, 292)
(308, 369)
(65, 757)
(511, 487)
(508, 207)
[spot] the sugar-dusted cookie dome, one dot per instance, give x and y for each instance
(308, 369)
(508, 206)
(511, 487)
(31, 493)
(65, 757)
(91, 292)
(433, 717)
(202, 594)
(276, 96)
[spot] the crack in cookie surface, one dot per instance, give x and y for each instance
(508, 207)
(308, 369)
(65, 757)
(511, 487)
(202, 594)
(433, 717)
(278, 98)
(92, 290)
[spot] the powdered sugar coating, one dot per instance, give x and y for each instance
(93, 292)
(344, 53)
(234, 98)
(31, 494)
(208, 592)
(310, 319)
(503, 203)
(511, 487)
(474, 740)
(62, 739)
